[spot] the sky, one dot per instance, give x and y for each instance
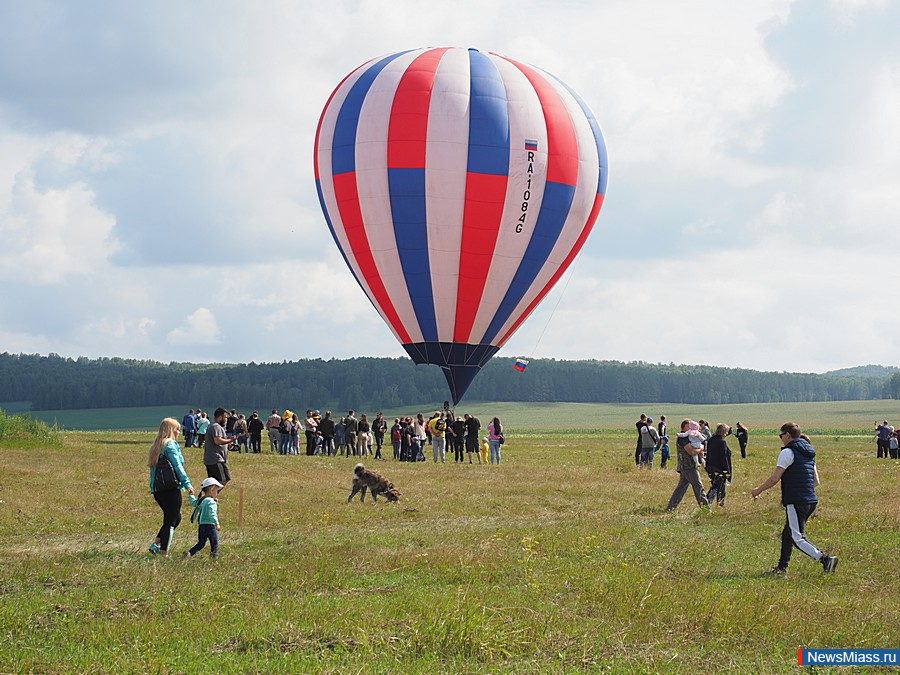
(157, 198)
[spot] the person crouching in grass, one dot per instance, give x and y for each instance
(206, 513)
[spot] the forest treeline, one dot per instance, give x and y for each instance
(58, 383)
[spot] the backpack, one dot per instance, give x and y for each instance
(165, 478)
(395, 434)
(283, 427)
(440, 425)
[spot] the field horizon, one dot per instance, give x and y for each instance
(847, 417)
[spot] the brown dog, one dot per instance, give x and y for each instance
(364, 479)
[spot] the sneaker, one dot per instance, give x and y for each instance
(186, 555)
(154, 548)
(829, 562)
(777, 571)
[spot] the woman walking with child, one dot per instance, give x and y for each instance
(167, 480)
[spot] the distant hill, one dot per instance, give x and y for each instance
(865, 371)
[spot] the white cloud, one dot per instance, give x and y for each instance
(200, 329)
(52, 233)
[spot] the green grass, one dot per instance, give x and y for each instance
(559, 560)
(853, 417)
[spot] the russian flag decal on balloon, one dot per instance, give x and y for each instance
(520, 365)
(453, 230)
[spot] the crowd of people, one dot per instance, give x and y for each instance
(655, 439)
(409, 437)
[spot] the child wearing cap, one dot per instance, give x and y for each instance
(485, 448)
(206, 512)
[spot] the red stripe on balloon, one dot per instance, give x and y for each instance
(408, 124)
(347, 197)
(562, 145)
(482, 213)
(589, 225)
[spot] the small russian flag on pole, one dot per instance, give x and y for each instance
(520, 365)
(530, 145)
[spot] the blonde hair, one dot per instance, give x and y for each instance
(168, 428)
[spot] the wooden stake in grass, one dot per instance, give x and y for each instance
(240, 506)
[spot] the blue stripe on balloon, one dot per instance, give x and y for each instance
(488, 118)
(598, 138)
(343, 148)
(407, 194)
(554, 210)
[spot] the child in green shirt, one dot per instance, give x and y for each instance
(206, 512)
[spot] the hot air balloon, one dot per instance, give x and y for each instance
(459, 186)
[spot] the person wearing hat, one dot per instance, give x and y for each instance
(649, 441)
(206, 513)
(285, 426)
(215, 449)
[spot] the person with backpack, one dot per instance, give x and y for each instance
(284, 433)
(351, 424)
(649, 441)
(438, 427)
(241, 434)
(167, 480)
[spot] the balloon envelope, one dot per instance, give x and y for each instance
(459, 186)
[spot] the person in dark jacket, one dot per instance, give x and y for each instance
(255, 426)
(718, 464)
(743, 435)
(327, 429)
(797, 472)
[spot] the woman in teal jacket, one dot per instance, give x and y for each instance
(169, 500)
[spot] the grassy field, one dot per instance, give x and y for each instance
(559, 560)
(846, 417)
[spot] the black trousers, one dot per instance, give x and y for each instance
(310, 442)
(459, 449)
(170, 503)
(256, 442)
(794, 533)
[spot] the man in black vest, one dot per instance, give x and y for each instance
(796, 469)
